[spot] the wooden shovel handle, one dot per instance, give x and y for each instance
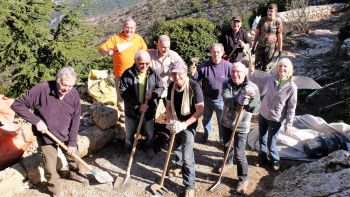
(66, 148)
(172, 139)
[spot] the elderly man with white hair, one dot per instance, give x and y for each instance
(238, 91)
(56, 108)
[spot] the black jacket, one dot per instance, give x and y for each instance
(230, 42)
(129, 90)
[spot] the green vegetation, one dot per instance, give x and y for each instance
(31, 51)
(190, 37)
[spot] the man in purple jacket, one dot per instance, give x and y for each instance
(56, 108)
(212, 74)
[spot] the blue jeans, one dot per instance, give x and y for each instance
(238, 151)
(209, 106)
(184, 156)
(131, 127)
(268, 133)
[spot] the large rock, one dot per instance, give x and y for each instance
(93, 139)
(328, 176)
(346, 46)
(12, 180)
(105, 116)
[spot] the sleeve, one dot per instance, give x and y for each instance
(227, 96)
(28, 101)
(260, 23)
(280, 26)
(261, 81)
(159, 87)
(223, 41)
(125, 88)
(170, 87)
(143, 44)
(109, 44)
(291, 106)
(198, 93)
(247, 39)
(74, 128)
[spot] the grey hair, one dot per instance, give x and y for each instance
(128, 20)
(288, 63)
(140, 53)
(163, 38)
(239, 64)
(218, 45)
(66, 71)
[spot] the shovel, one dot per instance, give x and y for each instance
(215, 187)
(100, 176)
(121, 181)
(159, 188)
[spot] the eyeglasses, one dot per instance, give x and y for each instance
(177, 74)
(144, 63)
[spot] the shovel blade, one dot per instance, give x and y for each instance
(101, 176)
(121, 182)
(215, 187)
(158, 189)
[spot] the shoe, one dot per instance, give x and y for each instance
(77, 176)
(217, 168)
(150, 153)
(205, 138)
(242, 186)
(175, 172)
(276, 166)
(189, 193)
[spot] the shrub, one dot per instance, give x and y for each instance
(190, 37)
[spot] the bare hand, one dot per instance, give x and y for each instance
(148, 95)
(110, 52)
(192, 71)
(251, 68)
(41, 126)
(143, 108)
(71, 150)
(288, 131)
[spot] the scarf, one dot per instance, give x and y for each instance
(185, 105)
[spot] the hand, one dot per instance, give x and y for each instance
(253, 51)
(176, 126)
(251, 68)
(71, 150)
(110, 52)
(288, 130)
(148, 95)
(243, 100)
(249, 91)
(192, 71)
(279, 55)
(41, 126)
(241, 44)
(143, 107)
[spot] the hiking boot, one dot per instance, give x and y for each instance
(189, 193)
(175, 172)
(77, 176)
(242, 186)
(217, 168)
(276, 166)
(204, 139)
(150, 153)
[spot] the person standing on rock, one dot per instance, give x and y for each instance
(235, 41)
(161, 58)
(212, 74)
(56, 108)
(278, 105)
(138, 84)
(185, 105)
(268, 34)
(238, 91)
(122, 47)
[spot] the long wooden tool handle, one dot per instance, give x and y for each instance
(172, 139)
(66, 148)
(133, 150)
(231, 139)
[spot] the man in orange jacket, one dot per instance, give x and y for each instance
(122, 47)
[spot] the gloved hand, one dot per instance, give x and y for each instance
(243, 100)
(241, 44)
(279, 54)
(176, 126)
(252, 51)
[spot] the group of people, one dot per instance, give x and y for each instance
(144, 77)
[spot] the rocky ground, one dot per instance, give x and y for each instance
(146, 172)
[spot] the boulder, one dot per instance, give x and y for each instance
(105, 116)
(12, 180)
(346, 47)
(93, 139)
(328, 176)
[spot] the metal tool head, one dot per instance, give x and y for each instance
(158, 189)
